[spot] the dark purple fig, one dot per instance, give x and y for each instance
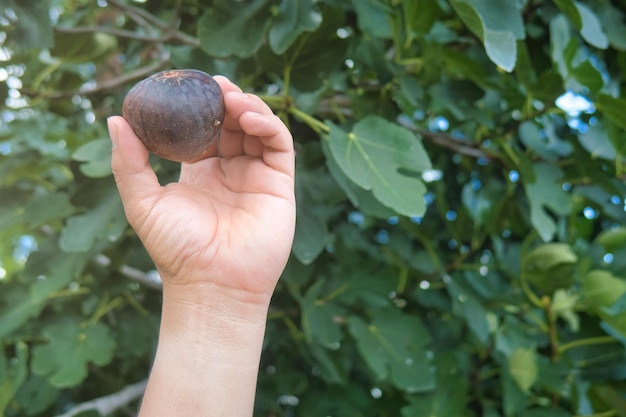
(177, 114)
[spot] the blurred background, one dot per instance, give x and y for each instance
(461, 238)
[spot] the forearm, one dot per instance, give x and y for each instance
(207, 359)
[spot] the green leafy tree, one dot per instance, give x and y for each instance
(461, 238)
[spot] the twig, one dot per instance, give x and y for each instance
(447, 141)
(149, 279)
(122, 33)
(137, 15)
(144, 18)
(109, 403)
(108, 84)
(341, 104)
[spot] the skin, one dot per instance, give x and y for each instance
(220, 238)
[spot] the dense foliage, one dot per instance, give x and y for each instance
(460, 248)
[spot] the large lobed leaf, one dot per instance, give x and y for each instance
(385, 158)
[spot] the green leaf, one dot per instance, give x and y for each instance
(523, 368)
(314, 57)
(314, 212)
(373, 155)
(549, 256)
(96, 158)
(513, 398)
(618, 307)
(596, 141)
(136, 333)
(33, 28)
(467, 305)
(459, 98)
(48, 207)
(591, 29)
(613, 108)
(549, 146)
(12, 375)
(548, 87)
(498, 24)
(570, 9)
(450, 397)
(35, 396)
(81, 47)
(392, 345)
(360, 198)
(373, 17)
(366, 284)
(586, 74)
(602, 289)
(320, 318)
(294, 18)
(605, 295)
(612, 20)
(312, 235)
(105, 221)
(233, 28)
(70, 339)
(48, 270)
(549, 267)
(545, 193)
(501, 48)
(560, 37)
(612, 397)
(572, 58)
(612, 239)
(330, 370)
(564, 305)
(419, 15)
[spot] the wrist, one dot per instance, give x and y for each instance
(208, 354)
(212, 314)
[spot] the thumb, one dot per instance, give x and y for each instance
(136, 181)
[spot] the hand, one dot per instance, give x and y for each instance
(226, 227)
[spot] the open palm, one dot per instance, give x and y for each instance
(228, 222)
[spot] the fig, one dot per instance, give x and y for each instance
(177, 114)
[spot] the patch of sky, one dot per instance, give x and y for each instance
(574, 105)
(429, 198)
(590, 213)
(382, 236)
(439, 123)
(482, 161)
(356, 217)
(25, 245)
(431, 175)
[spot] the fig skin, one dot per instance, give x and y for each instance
(177, 114)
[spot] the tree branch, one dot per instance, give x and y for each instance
(149, 279)
(339, 105)
(108, 84)
(109, 403)
(447, 141)
(111, 31)
(145, 18)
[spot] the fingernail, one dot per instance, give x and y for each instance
(114, 131)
